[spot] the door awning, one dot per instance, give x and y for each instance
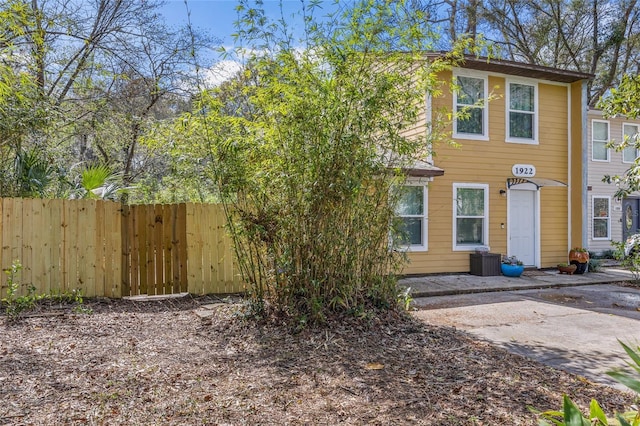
(423, 169)
(538, 182)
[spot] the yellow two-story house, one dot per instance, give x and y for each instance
(516, 182)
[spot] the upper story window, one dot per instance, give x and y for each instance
(599, 139)
(470, 99)
(522, 113)
(412, 213)
(629, 132)
(470, 215)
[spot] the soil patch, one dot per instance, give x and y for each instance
(198, 361)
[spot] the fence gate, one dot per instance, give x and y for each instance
(154, 249)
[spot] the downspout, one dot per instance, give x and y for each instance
(569, 169)
(585, 214)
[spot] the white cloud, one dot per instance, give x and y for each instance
(220, 72)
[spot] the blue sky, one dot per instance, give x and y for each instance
(217, 17)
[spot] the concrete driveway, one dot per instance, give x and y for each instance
(573, 328)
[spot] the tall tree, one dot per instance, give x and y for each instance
(595, 36)
(24, 114)
(109, 67)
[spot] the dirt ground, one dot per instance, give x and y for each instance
(194, 361)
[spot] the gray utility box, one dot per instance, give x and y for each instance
(485, 264)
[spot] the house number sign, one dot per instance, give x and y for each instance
(523, 170)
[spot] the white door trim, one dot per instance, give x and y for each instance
(536, 235)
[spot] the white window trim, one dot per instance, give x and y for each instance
(485, 116)
(509, 139)
(608, 138)
(425, 216)
(593, 218)
(485, 225)
(637, 126)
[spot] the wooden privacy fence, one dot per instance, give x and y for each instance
(108, 249)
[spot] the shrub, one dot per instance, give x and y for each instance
(308, 160)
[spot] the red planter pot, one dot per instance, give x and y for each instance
(580, 259)
(579, 256)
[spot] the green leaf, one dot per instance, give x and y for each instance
(623, 422)
(544, 422)
(572, 414)
(548, 416)
(95, 176)
(597, 413)
(626, 379)
(635, 356)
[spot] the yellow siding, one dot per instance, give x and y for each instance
(489, 162)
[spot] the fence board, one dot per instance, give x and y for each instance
(175, 249)
(166, 248)
(2, 274)
(230, 272)
(215, 250)
(143, 248)
(158, 261)
(71, 237)
(113, 256)
(87, 228)
(5, 249)
(149, 249)
(55, 220)
(135, 251)
(125, 229)
(41, 246)
(208, 241)
(182, 246)
(230, 277)
(194, 249)
(15, 238)
(28, 239)
(100, 249)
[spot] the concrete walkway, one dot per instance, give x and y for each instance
(537, 323)
(442, 285)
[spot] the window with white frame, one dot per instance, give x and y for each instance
(599, 140)
(412, 213)
(601, 218)
(470, 215)
(629, 133)
(521, 117)
(470, 101)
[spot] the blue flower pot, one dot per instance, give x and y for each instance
(511, 270)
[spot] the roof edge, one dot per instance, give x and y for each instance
(523, 69)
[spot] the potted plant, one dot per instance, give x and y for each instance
(579, 256)
(511, 266)
(565, 268)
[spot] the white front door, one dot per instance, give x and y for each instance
(522, 225)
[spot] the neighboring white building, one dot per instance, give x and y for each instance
(609, 219)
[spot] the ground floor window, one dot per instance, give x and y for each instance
(412, 215)
(470, 215)
(601, 218)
